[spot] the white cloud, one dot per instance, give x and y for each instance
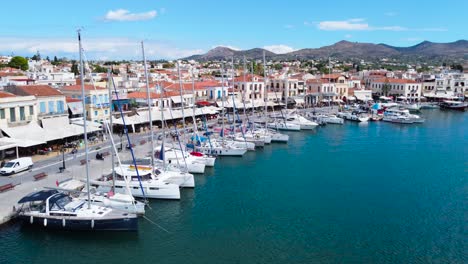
(355, 24)
(343, 25)
(95, 48)
(348, 36)
(279, 49)
(125, 15)
(288, 26)
(226, 46)
(390, 14)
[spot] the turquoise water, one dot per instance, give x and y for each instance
(374, 193)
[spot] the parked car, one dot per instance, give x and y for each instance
(16, 165)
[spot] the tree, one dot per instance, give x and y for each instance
(168, 65)
(19, 62)
(100, 69)
(74, 68)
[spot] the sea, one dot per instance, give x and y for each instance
(355, 193)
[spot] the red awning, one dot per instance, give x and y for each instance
(203, 103)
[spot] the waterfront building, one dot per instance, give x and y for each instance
(409, 89)
(96, 100)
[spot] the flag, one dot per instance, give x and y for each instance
(57, 183)
(161, 152)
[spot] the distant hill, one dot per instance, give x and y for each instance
(223, 53)
(348, 50)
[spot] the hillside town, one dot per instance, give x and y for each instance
(43, 104)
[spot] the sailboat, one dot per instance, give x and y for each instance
(222, 146)
(52, 209)
(120, 201)
(144, 185)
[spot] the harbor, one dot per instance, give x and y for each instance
(394, 185)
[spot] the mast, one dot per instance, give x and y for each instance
(148, 100)
(245, 87)
(182, 100)
(195, 128)
(163, 126)
(264, 87)
(111, 129)
(222, 98)
(83, 101)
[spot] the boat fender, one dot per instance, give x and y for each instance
(63, 222)
(92, 223)
(31, 219)
(45, 221)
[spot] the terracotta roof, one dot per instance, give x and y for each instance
(248, 78)
(6, 94)
(77, 87)
(394, 80)
(37, 90)
(72, 100)
(143, 95)
(332, 76)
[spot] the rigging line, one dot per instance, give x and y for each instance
(154, 223)
(178, 140)
(129, 141)
(107, 125)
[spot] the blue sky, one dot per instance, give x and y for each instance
(112, 29)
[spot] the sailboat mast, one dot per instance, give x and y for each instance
(182, 101)
(148, 100)
(83, 101)
(163, 126)
(111, 127)
(195, 129)
(222, 98)
(245, 87)
(264, 87)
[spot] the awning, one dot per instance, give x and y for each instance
(76, 108)
(6, 143)
(176, 99)
(299, 100)
(31, 131)
(59, 128)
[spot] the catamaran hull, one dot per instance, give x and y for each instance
(288, 127)
(161, 191)
(307, 127)
(223, 152)
(279, 138)
(70, 224)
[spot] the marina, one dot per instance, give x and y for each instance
(250, 207)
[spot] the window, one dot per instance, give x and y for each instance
(31, 110)
(51, 106)
(94, 99)
(106, 112)
(12, 114)
(95, 113)
(22, 114)
(2, 113)
(60, 108)
(42, 107)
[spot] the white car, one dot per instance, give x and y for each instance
(16, 165)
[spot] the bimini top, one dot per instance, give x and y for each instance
(38, 196)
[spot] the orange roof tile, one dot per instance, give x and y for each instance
(6, 94)
(77, 87)
(37, 90)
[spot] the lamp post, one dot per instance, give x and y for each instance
(63, 158)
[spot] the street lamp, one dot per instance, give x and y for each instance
(63, 159)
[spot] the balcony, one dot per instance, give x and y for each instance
(19, 121)
(52, 114)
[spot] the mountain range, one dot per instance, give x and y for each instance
(348, 50)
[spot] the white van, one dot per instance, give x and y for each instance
(16, 165)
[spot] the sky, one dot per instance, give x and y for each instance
(114, 29)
